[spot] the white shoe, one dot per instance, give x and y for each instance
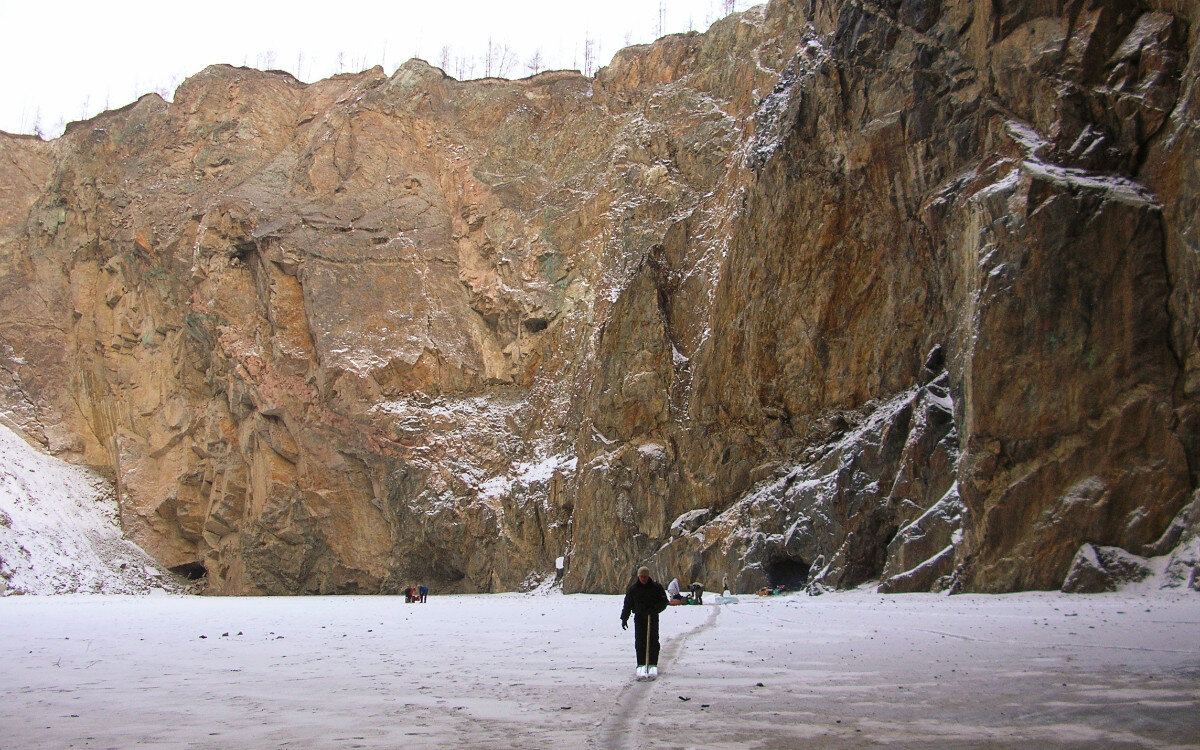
(641, 673)
(653, 672)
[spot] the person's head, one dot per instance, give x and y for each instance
(643, 574)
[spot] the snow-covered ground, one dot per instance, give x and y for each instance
(59, 530)
(842, 670)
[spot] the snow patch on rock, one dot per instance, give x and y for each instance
(60, 533)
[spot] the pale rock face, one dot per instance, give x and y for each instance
(835, 292)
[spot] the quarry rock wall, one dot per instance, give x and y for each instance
(838, 291)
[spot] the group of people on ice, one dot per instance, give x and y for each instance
(414, 594)
(695, 593)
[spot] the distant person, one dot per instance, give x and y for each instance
(697, 592)
(409, 595)
(644, 598)
(422, 593)
(673, 594)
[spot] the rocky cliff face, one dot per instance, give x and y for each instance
(839, 291)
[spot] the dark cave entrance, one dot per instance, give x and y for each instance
(787, 572)
(192, 571)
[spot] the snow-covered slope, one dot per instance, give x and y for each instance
(59, 531)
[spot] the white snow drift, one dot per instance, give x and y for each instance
(59, 530)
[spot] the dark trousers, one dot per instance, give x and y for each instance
(642, 624)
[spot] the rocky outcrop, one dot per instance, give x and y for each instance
(838, 291)
(877, 502)
(1096, 569)
(1180, 544)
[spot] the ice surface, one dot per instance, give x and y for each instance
(848, 669)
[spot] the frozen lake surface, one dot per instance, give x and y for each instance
(844, 670)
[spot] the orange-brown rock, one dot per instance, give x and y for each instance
(838, 291)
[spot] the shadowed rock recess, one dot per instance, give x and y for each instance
(839, 291)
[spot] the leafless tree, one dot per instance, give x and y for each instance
(444, 59)
(729, 6)
(498, 60)
(508, 61)
(464, 67)
(589, 56)
(489, 58)
(534, 63)
(662, 18)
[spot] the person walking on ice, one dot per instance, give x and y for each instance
(645, 599)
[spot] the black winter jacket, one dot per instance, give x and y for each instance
(647, 598)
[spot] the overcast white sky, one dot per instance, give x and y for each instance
(72, 59)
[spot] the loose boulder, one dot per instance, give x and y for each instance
(1096, 569)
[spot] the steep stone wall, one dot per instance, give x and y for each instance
(838, 291)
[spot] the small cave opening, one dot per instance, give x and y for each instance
(442, 573)
(788, 573)
(193, 571)
(244, 249)
(536, 325)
